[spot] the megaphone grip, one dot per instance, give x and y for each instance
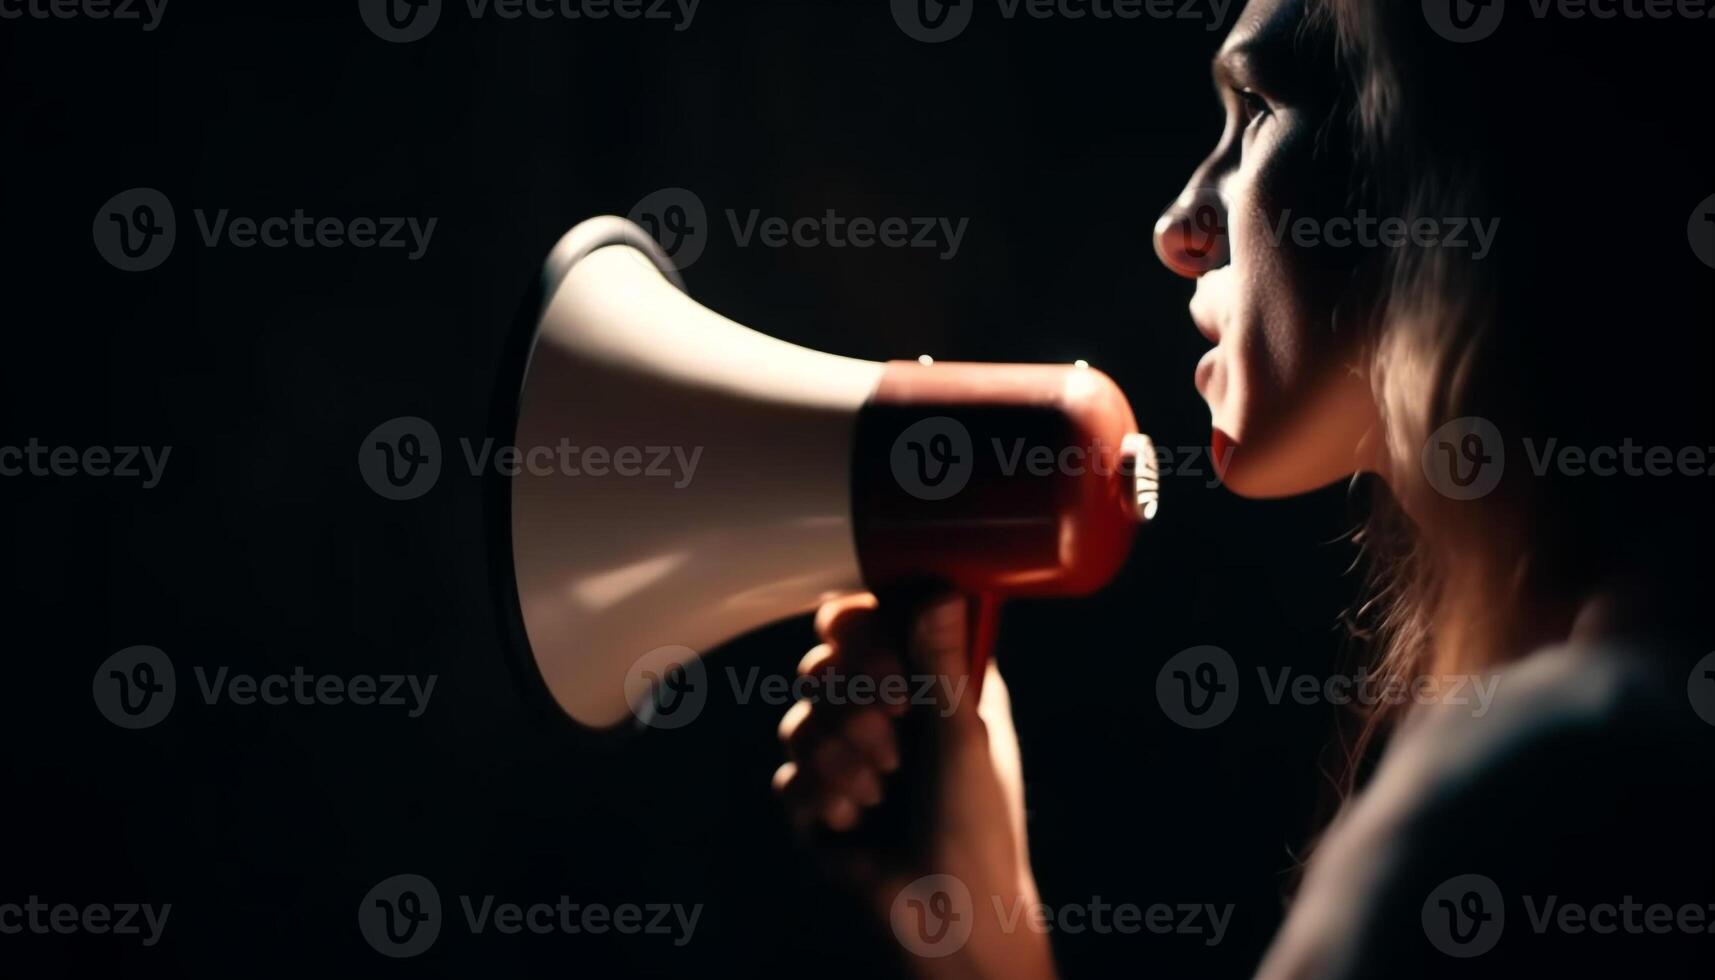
(901, 827)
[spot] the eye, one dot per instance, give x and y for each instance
(1251, 105)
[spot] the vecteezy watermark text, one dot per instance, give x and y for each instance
(1369, 231)
(41, 918)
(564, 458)
(1199, 688)
(677, 219)
(403, 21)
(135, 231)
(300, 687)
(1473, 20)
(935, 458)
(146, 12)
(1206, 921)
(303, 231)
(934, 21)
(402, 917)
(1465, 916)
(146, 463)
(400, 459)
(668, 687)
(935, 915)
(137, 687)
(834, 687)
(833, 230)
(1464, 459)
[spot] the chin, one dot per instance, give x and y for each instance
(1252, 483)
(1268, 472)
(1233, 465)
(1237, 469)
(1296, 441)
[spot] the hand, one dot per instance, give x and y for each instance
(946, 766)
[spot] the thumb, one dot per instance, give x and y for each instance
(939, 650)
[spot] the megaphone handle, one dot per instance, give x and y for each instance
(903, 819)
(983, 612)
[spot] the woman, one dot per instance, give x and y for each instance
(1544, 299)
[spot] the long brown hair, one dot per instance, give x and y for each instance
(1584, 140)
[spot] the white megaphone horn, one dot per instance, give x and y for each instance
(681, 479)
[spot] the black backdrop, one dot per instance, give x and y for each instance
(262, 549)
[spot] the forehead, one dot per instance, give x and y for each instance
(1265, 24)
(1264, 46)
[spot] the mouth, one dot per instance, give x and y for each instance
(1205, 371)
(1221, 448)
(1208, 303)
(1207, 308)
(1205, 325)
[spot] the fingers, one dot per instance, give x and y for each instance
(833, 668)
(841, 619)
(837, 742)
(872, 733)
(840, 740)
(839, 762)
(857, 643)
(807, 805)
(958, 796)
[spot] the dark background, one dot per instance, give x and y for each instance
(262, 550)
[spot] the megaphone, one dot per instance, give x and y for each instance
(681, 479)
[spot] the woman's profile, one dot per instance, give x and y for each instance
(1454, 270)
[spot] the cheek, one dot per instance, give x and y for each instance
(1270, 348)
(1281, 336)
(1254, 389)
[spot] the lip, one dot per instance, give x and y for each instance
(1205, 370)
(1205, 326)
(1221, 448)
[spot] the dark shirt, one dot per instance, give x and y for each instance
(1569, 830)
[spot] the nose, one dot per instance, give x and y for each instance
(1191, 235)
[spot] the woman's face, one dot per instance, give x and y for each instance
(1289, 400)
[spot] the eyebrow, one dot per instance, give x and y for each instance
(1236, 66)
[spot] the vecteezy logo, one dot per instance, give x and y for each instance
(933, 915)
(1701, 231)
(932, 459)
(134, 230)
(667, 687)
(400, 459)
(1463, 917)
(1198, 688)
(400, 21)
(1464, 20)
(1464, 459)
(933, 21)
(1700, 687)
(677, 220)
(401, 916)
(1205, 225)
(135, 687)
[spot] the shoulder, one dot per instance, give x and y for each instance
(1598, 700)
(1562, 724)
(1578, 769)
